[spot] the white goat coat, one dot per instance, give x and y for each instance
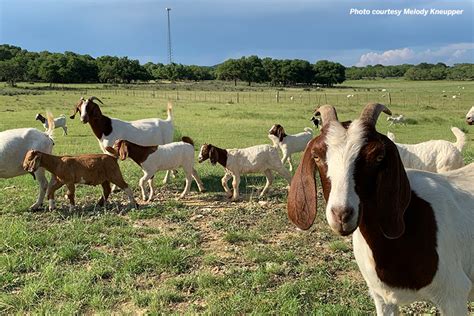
(252, 159)
(170, 156)
(434, 155)
(293, 143)
(14, 144)
(60, 121)
(146, 132)
(452, 198)
(470, 115)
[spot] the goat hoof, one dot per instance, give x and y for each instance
(36, 207)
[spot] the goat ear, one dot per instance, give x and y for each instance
(302, 197)
(123, 151)
(393, 192)
(280, 133)
(213, 155)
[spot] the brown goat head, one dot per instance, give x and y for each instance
(364, 169)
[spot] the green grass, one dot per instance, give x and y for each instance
(201, 254)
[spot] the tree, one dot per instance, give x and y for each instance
(329, 73)
(229, 70)
(12, 70)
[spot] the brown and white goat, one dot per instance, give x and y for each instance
(145, 132)
(91, 169)
(413, 231)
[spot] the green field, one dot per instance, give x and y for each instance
(201, 254)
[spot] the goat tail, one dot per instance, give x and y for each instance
(49, 131)
(188, 140)
(309, 130)
(169, 110)
(460, 138)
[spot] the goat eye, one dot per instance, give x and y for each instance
(379, 158)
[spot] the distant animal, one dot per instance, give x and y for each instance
(14, 144)
(145, 132)
(434, 155)
(289, 144)
(60, 121)
(400, 119)
(412, 231)
(163, 157)
(470, 116)
(90, 169)
(260, 158)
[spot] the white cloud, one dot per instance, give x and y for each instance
(450, 54)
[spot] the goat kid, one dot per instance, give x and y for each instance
(260, 158)
(434, 155)
(412, 230)
(145, 132)
(91, 169)
(289, 144)
(14, 144)
(400, 119)
(470, 116)
(60, 121)
(164, 157)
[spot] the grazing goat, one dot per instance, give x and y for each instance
(164, 157)
(146, 132)
(58, 122)
(434, 155)
(470, 116)
(91, 169)
(400, 119)
(260, 158)
(412, 230)
(14, 144)
(289, 144)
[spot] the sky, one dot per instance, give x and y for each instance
(207, 32)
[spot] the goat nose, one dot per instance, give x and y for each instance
(343, 214)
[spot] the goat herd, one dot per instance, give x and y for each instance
(413, 230)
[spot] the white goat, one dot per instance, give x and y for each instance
(164, 157)
(470, 116)
(412, 230)
(289, 144)
(14, 144)
(434, 155)
(260, 158)
(146, 132)
(60, 121)
(400, 119)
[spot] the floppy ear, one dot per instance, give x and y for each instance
(280, 133)
(393, 192)
(302, 197)
(123, 150)
(213, 155)
(74, 113)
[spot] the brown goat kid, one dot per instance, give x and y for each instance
(91, 169)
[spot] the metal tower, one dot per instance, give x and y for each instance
(169, 36)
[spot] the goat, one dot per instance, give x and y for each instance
(412, 230)
(145, 132)
(400, 119)
(260, 158)
(434, 155)
(289, 144)
(470, 116)
(14, 144)
(90, 169)
(164, 157)
(60, 121)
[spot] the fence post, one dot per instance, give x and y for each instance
(237, 97)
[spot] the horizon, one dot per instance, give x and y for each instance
(211, 32)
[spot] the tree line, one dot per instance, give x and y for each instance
(422, 71)
(17, 64)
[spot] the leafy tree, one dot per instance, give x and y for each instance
(229, 70)
(12, 70)
(329, 73)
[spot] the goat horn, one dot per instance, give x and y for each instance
(95, 98)
(327, 112)
(371, 113)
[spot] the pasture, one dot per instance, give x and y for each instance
(201, 254)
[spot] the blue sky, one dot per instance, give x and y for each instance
(207, 32)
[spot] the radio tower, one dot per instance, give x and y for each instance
(169, 36)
